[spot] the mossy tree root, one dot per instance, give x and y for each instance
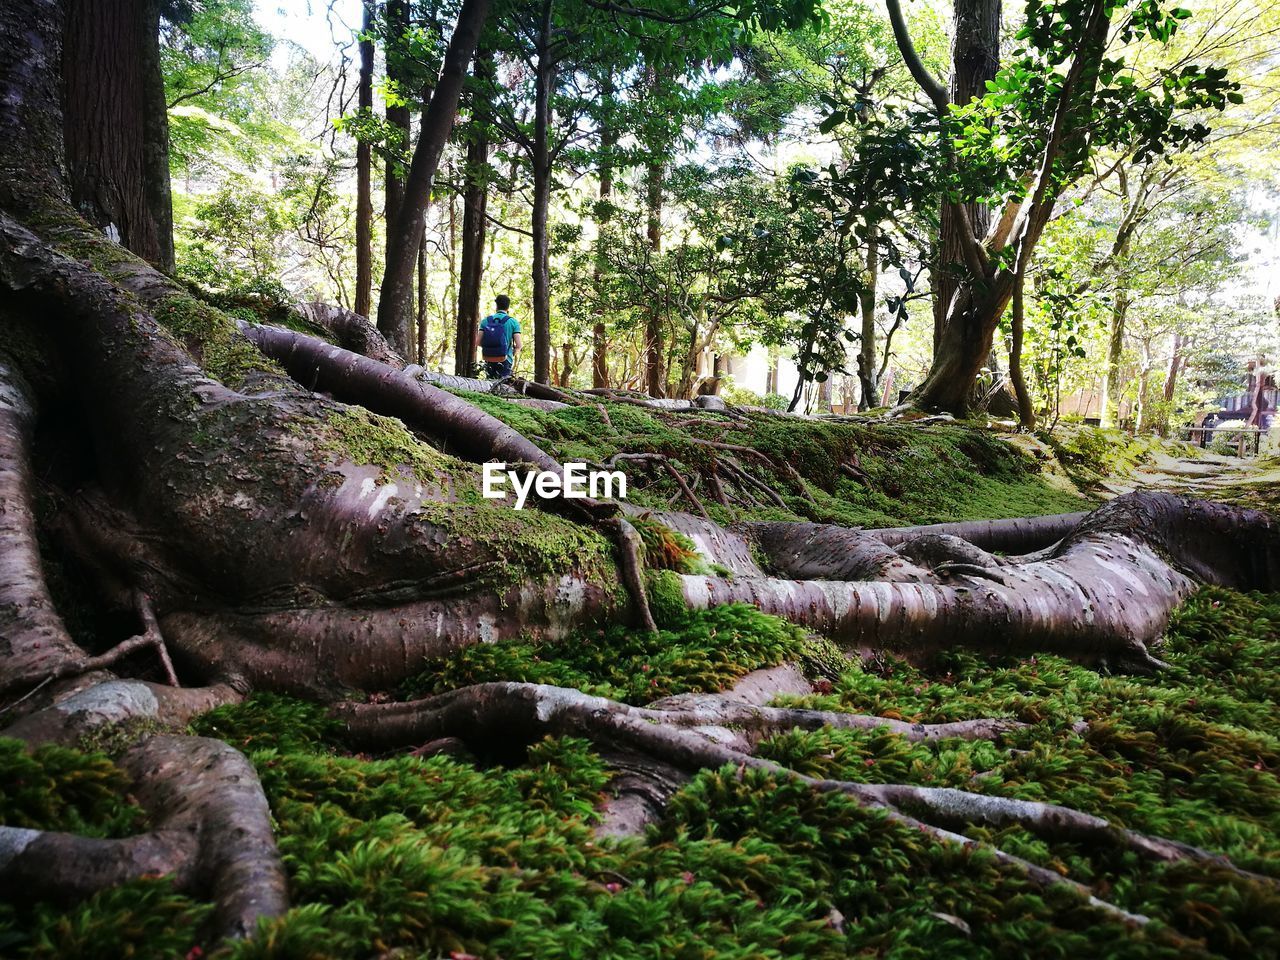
(212, 836)
(696, 733)
(453, 422)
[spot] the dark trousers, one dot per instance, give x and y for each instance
(497, 369)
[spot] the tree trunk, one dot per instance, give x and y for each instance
(364, 176)
(655, 371)
(975, 59)
(1026, 412)
(870, 396)
(420, 354)
(608, 142)
(397, 14)
(475, 203)
(395, 302)
(1109, 410)
(116, 126)
(544, 84)
(965, 346)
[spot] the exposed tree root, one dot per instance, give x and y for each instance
(694, 733)
(150, 638)
(350, 331)
(212, 836)
(34, 643)
(453, 422)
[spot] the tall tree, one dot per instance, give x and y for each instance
(475, 209)
(975, 59)
(603, 213)
(364, 171)
(399, 74)
(1061, 99)
(115, 124)
(395, 303)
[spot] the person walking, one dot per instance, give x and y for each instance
(499, 340)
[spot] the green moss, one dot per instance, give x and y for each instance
(213, 339)
(666, 595)
(419, 857)
(908, 473)
(55, 788)
(270, 720)
(115, 737)
(141, 920)
(696, 651)
(372, 440)
(668, 549)
(1091, 455)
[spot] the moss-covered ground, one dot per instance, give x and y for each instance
(845, 471)
(407, 857)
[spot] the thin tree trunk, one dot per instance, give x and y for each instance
(1171, 382)
(655, 373)
(1026, 412)
(867, 304)
(608, 141)
(395, 304)
(1110, 408)
(364, 178)
(1144, 389)
(421, 326)
(115, 124)
(544, 83)
(475, 203)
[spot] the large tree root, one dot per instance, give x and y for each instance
(34, 643)
(692, 734)
(212, 836)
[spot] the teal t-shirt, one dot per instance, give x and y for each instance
(513, 327)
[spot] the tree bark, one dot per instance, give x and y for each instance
(870, 394)
(1109, 412)
(116, 127)
(1026, 411)
(655, 372)
(608, 143)
(475, 202)
(975, 59)
(397, 13)
(364, 178)
(544, 85)
(395, 303)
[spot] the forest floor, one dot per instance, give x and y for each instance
(456, 855)
(1245, 481)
